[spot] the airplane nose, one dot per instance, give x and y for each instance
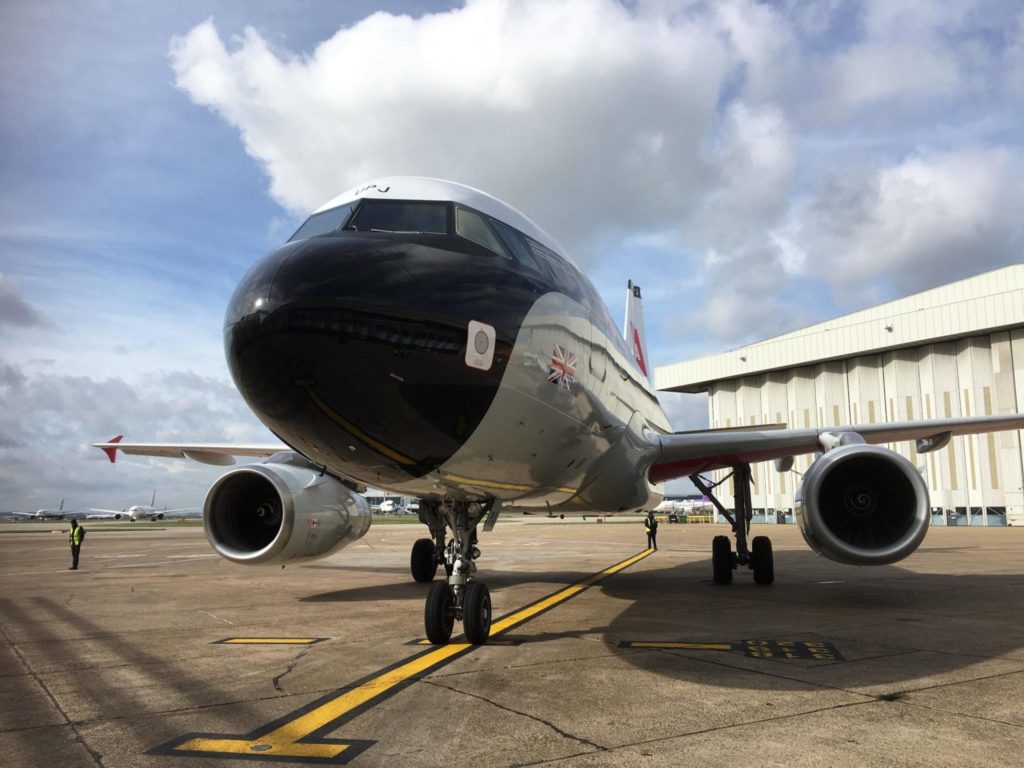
(352, 349)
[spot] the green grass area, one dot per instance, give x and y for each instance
(395, 519)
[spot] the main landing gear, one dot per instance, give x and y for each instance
(758, 558)
(459, 597)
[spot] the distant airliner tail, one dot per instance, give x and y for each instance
(634, 329)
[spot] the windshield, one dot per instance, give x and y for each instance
(392, 216)
(324, 222)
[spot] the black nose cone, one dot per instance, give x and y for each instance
(352, 349)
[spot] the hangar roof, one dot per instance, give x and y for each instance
(981, 304)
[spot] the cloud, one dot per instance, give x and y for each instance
(49, 420)
(562, 108)
(931, 219)
(728, 122)
(14, 309)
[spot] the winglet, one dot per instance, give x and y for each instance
(110, 450)
(634, 328)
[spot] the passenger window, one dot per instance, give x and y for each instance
(472, 226)
(515, 244)
(391, 216)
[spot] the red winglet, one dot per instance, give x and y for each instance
(112, 452)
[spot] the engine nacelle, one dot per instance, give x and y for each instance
(863, 505)
(276, 513)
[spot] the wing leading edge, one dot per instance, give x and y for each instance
(684, 454)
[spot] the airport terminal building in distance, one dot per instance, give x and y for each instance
(956, 350)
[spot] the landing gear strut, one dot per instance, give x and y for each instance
(758, 558)
(460, 597)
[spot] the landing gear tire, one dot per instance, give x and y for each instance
(762, 563)
(721, 559)
(422, 562)
(476, 613)
(439, 613)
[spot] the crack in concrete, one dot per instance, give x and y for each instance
(96, 756)
(542, 721)
(291, 666)
(703, 731)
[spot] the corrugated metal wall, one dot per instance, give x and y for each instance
(977, 376)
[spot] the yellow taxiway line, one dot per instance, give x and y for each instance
(300, 734)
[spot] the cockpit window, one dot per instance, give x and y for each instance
(392, 216)
(473, 227)
(515, 244)
(324, 222)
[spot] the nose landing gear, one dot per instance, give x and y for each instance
(460, 597)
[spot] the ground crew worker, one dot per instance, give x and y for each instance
(651, 527)
(75, 536)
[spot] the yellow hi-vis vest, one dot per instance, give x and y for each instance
(75, 536)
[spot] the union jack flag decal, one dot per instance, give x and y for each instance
(563, 368)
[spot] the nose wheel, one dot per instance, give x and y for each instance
(460, 597)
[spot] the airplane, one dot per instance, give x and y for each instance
(390, 507)
(45, 514)
(667, 506)
(138, 512)
(422, 337)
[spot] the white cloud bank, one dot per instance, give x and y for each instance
(705, 119)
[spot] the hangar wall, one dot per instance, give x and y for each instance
(872, 377)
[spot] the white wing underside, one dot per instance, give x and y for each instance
(218, 454)
(686, 453)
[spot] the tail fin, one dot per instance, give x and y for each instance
(152, 502)
(111, 450)
(634, 328)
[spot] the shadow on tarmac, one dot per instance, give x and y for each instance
(891, 626)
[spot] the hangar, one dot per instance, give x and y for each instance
(956, 350)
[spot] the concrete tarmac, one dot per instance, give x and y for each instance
(124, 662)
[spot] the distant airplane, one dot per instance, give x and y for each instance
(668, 505)
(138, 512)
(390, 506)
(424, 338)
(46, 514)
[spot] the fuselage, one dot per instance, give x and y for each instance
(424, 338)
(48, 514)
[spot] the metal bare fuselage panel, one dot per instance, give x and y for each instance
(546, 437)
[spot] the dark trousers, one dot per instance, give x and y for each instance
(652, 541)
(74, 555)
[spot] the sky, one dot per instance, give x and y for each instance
(754, 166)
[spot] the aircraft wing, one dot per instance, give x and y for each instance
(218, 454)
(687, 453)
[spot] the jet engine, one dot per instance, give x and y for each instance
(863, 505)
(282, 511)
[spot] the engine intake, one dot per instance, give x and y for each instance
(863, 505)
(274, 513)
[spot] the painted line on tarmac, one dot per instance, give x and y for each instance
(757, 649)
(269, 641)
(490, 641)
(301, 735)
